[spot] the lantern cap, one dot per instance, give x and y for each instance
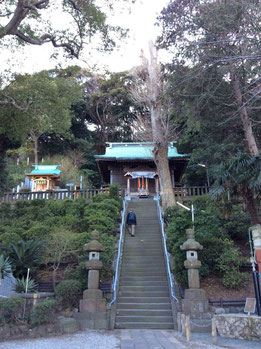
(191, 243)
(94, 244)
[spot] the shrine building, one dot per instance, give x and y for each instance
(131, 166)
(45, 177)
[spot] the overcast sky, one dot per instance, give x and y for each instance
(140, 22)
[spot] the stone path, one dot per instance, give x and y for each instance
(168, 339)
(129, 339)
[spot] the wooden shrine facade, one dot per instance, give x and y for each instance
(131, 165)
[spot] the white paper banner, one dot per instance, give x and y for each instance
(142, 174)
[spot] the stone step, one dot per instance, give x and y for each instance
(143, 288)
(142, 244)
(147, 294)
(154, 253)
(146, 278)
(141, 267)
(142, 282)
(144, 325)
(144, 306)
(146, 261)
(131, 299)
(141, 318)
(144, 273)
(143, 312)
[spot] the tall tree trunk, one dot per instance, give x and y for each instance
(159, 135)
(162, 163)
(247, 193)
(250, 204)
(35, 140)
(246, 122)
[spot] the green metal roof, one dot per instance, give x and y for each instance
(135, 151)
(46, 169)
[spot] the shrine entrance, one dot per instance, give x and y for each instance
(142, 183)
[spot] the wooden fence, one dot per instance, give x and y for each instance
(52, 195)
(182, 194)
(186, 193)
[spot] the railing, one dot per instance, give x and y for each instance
(120, 245)
(52, 195)
(220, 302)
(164, 237)
(185, 193)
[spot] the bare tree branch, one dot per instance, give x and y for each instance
(10, 101)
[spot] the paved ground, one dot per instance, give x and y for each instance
(129, 339)
(168, 339)
(88, 339)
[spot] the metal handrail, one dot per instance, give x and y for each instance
(120, 244)
(170, 275)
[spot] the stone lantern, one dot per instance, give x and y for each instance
(93, 306)
(192, 264)
(195, 302)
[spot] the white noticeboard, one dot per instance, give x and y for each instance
(250, 306)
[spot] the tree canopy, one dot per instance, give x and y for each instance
(45, 106)
(30, 22)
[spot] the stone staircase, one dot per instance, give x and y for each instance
(143, 298)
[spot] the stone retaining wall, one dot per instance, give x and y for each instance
(239, 326)
(62, 326)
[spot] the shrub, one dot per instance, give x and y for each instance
(24, 255)
(56, 207)
(69, 291)
(237, 223)
(108, 242)
(114, 191)
(20, 285)
(100, 222)
(8, 238)
(79, 273)
(100, 197)
(5, 267)
(38, 231)
(79, 240)
(5, 210)
(43, 312)
(11, 310)
(228, 263)
(109, 207)
(209, 232)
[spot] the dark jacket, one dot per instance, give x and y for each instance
(131, 218)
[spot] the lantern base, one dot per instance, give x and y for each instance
(195, 301)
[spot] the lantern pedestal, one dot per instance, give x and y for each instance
(195, 302)
(93, 306)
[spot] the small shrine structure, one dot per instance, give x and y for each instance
(131, 165)
(45, 177)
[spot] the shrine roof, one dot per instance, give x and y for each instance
(46, 170)
(135, 151)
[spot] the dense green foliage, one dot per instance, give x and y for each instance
(43, 312)
(69, 291)
(10, 310)
(213, 230)
(5, 267)
(22, 286)
(40, 231)
(23, 255)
